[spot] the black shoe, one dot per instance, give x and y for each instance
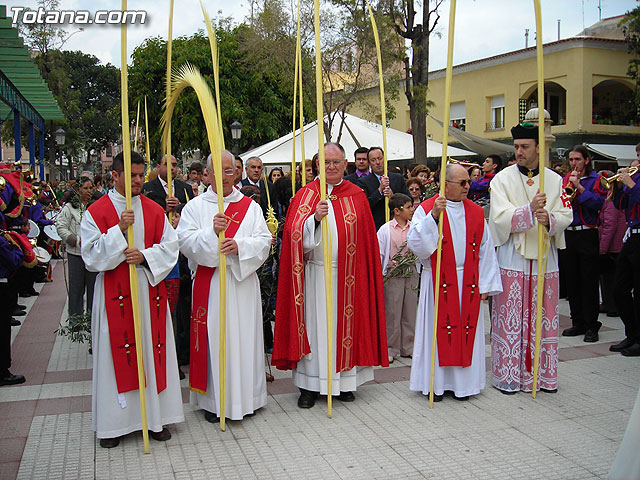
(15, 323)
(21, 307)
(613, 314)
(618, 347)
(461, 399)
(573, 332)
(161, 436)
(632, 351)
(346, 397)
(437, 398)
(211, 417)
(10, 379)
(109, 442)
(307, 398)
(549, 390)
(18, 312)
(591, 336)
(181, 374)
(508, 392)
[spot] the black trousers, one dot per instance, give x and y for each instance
(608, 263)
(627, 287)
(8, 299)
(582, 277)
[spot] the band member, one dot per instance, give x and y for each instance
(581, 257)
(627, 284)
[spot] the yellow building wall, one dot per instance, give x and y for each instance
(577, 70)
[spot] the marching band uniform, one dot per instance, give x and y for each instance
(581, 258)
(627, 284)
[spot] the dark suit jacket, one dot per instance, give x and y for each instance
(155, 191)
(370, 184)
(264, 203)
(353, 178)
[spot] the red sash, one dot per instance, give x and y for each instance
(236, 211)
(117, 291)
(457, 329)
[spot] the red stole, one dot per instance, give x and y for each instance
(236, 211)
(117, 292)
(361, 332)
(456, 328)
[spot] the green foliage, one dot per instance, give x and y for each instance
(77, 329)
(631, 28)
(256, 82)
(88, 94)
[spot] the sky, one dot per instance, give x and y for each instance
(483, 27)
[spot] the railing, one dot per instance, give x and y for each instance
(495, 126)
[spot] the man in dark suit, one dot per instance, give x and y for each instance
(377, 186)
(362, 165)
(158, 190)
(253, 167)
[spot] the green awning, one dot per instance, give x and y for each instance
(20, 81)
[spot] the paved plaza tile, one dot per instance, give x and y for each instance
(388, 432)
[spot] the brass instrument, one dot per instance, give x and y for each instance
(570, 192)
(607, 183)
(463, 164)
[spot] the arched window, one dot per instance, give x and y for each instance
(612, 104)
(555, 102)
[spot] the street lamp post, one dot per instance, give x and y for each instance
(60, 138)
(236, 133)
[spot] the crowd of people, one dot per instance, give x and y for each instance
(383, 283)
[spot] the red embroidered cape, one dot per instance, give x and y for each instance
(458, 314)
(119, 309)
(361, 329)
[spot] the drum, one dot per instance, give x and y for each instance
(42, 255)
(42, 269)
(52, 241)
(51, 232)
(34, 230)
(52, 214)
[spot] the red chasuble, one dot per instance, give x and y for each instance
(361, 337)
(457, 326)
(200, 303)
(117, 292)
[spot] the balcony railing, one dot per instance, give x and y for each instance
(495, 126)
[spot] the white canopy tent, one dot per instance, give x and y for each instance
(356, 132)
(622, 154)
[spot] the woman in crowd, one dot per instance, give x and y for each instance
(275, 174)
(81, 280)
(422, 172)
(416, 190)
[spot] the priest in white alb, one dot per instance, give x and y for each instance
(469, 273)
(115, 399)
(517, 207)
(246, 246)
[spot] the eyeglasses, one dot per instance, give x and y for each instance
(412, 189)
(462, 183)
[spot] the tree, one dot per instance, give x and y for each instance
(631, 28)
(256, 83)
(416, 79)
(87, 92)
(350, 62)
